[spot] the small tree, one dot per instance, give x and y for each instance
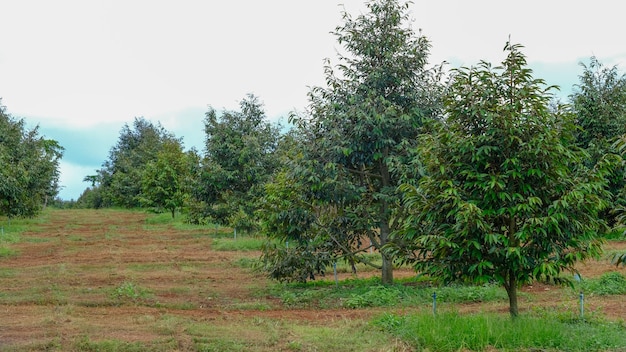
(366, 119)
(163, 181)
(121, 175)
(239, 158)
(307, 231)
(505, 197)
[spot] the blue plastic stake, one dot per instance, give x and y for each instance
(434, 303)
(582, 306)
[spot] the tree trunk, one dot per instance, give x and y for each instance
(387, 267)
(511, 286)
(387, 271)
(511, 291)
(173, 212)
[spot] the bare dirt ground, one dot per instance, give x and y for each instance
(81, 276)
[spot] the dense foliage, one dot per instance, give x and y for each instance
(163, 183)
(119, 181)
(29, 172)
(599, 104)
(239, 158)
(505, 195)
(355, 133)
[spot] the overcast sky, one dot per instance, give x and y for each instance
(80, 69)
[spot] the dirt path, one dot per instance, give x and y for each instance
(107, 275)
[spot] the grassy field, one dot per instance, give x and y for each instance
(115, 280)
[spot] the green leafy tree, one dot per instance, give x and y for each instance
(30, 168)
(364, 122)
(164, 179)
(91, 198)
(120, 179)
(505, 197)
(620, 210)
(238, 160)
(599, 103)
(302, 226)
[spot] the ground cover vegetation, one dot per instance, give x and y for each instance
(130, 280)
(471, 178)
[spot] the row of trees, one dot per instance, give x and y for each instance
(148, 167)
(29, 168)
(477, 175)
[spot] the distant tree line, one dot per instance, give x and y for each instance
(470, 174)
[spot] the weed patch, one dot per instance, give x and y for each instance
(89, 345)
(129, 292)
(611, 283)
(377, 296)
(479, 332)
(6, 252)
(365, 293)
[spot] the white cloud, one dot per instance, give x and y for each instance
(74, 63)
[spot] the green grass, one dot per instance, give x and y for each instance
(164, 220)
(7, 273)
(240, 244)
(477, 332)
(11, 231)
(87, 344)
(6, 252)
(262, 334)
(364, 293)
(616, 235)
